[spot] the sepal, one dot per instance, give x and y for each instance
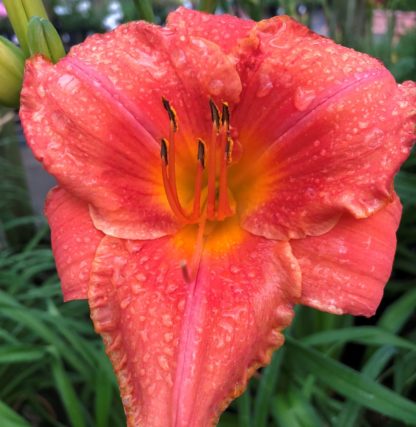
(43, 38)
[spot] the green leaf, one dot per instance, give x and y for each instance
(350, 383)
(20, 353)
(397, 314)
(405, 185)
(367, 335)
(68, 396)
(265, 391)
(372, 369)
(244, 410)
(10, 418)
(292, 409)
(207, 5)
(103, 397)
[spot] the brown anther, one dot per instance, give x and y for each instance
(201, 152)
(211, 193)
(225, 116)
(185, 272)
(164, 150)
(229, 149)
(171, 113)
(215, 114)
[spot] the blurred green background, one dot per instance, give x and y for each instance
(333, 371)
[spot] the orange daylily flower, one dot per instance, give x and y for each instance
(212, 174)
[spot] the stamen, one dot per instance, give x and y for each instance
(229, 149)
(171, 112)
(201, 152)
(224, 209)
(225, 116)
(215, 114)
(220, 147)
(171, 181)
(196, 211)
(164, 150)
(174, 205)
(185, 272)
(212, 173)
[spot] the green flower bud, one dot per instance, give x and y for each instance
(12, 61)
(19, 13)
(43, 38)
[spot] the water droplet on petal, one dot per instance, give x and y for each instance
(181, 305)
(140, 277)
(167, 320)
(179, 57)
(265, 86)
(168, 337)
(234, 269)
(125, 302)
(68, 83)
(163, 363)
(342, 250)
(303, 98)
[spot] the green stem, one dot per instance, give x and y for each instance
(145, 10)
(208, 5)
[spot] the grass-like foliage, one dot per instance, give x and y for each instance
(333, 370)
(53, 370)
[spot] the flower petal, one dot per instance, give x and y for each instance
(96, 117)
(182, 350)
(224, 30)
(74, 241)
(328, 125)
(346, 269)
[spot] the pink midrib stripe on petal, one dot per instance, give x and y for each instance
(187, 338)
(116, 98)
(321, 101)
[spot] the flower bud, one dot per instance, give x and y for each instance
(44, 39)
(19, 13)
(12, 62)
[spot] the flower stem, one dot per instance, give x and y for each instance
(145, 10)
(208, 5)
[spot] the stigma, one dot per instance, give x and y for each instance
(213, 158)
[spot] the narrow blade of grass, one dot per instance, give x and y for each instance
(350, 383)
(367, 335)
(244, 409)
(265, 391)
(10, 418)
(68, 396)
(103, 397)
(398, 313)
(20, 353)
(372, 369)
(292, 409)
